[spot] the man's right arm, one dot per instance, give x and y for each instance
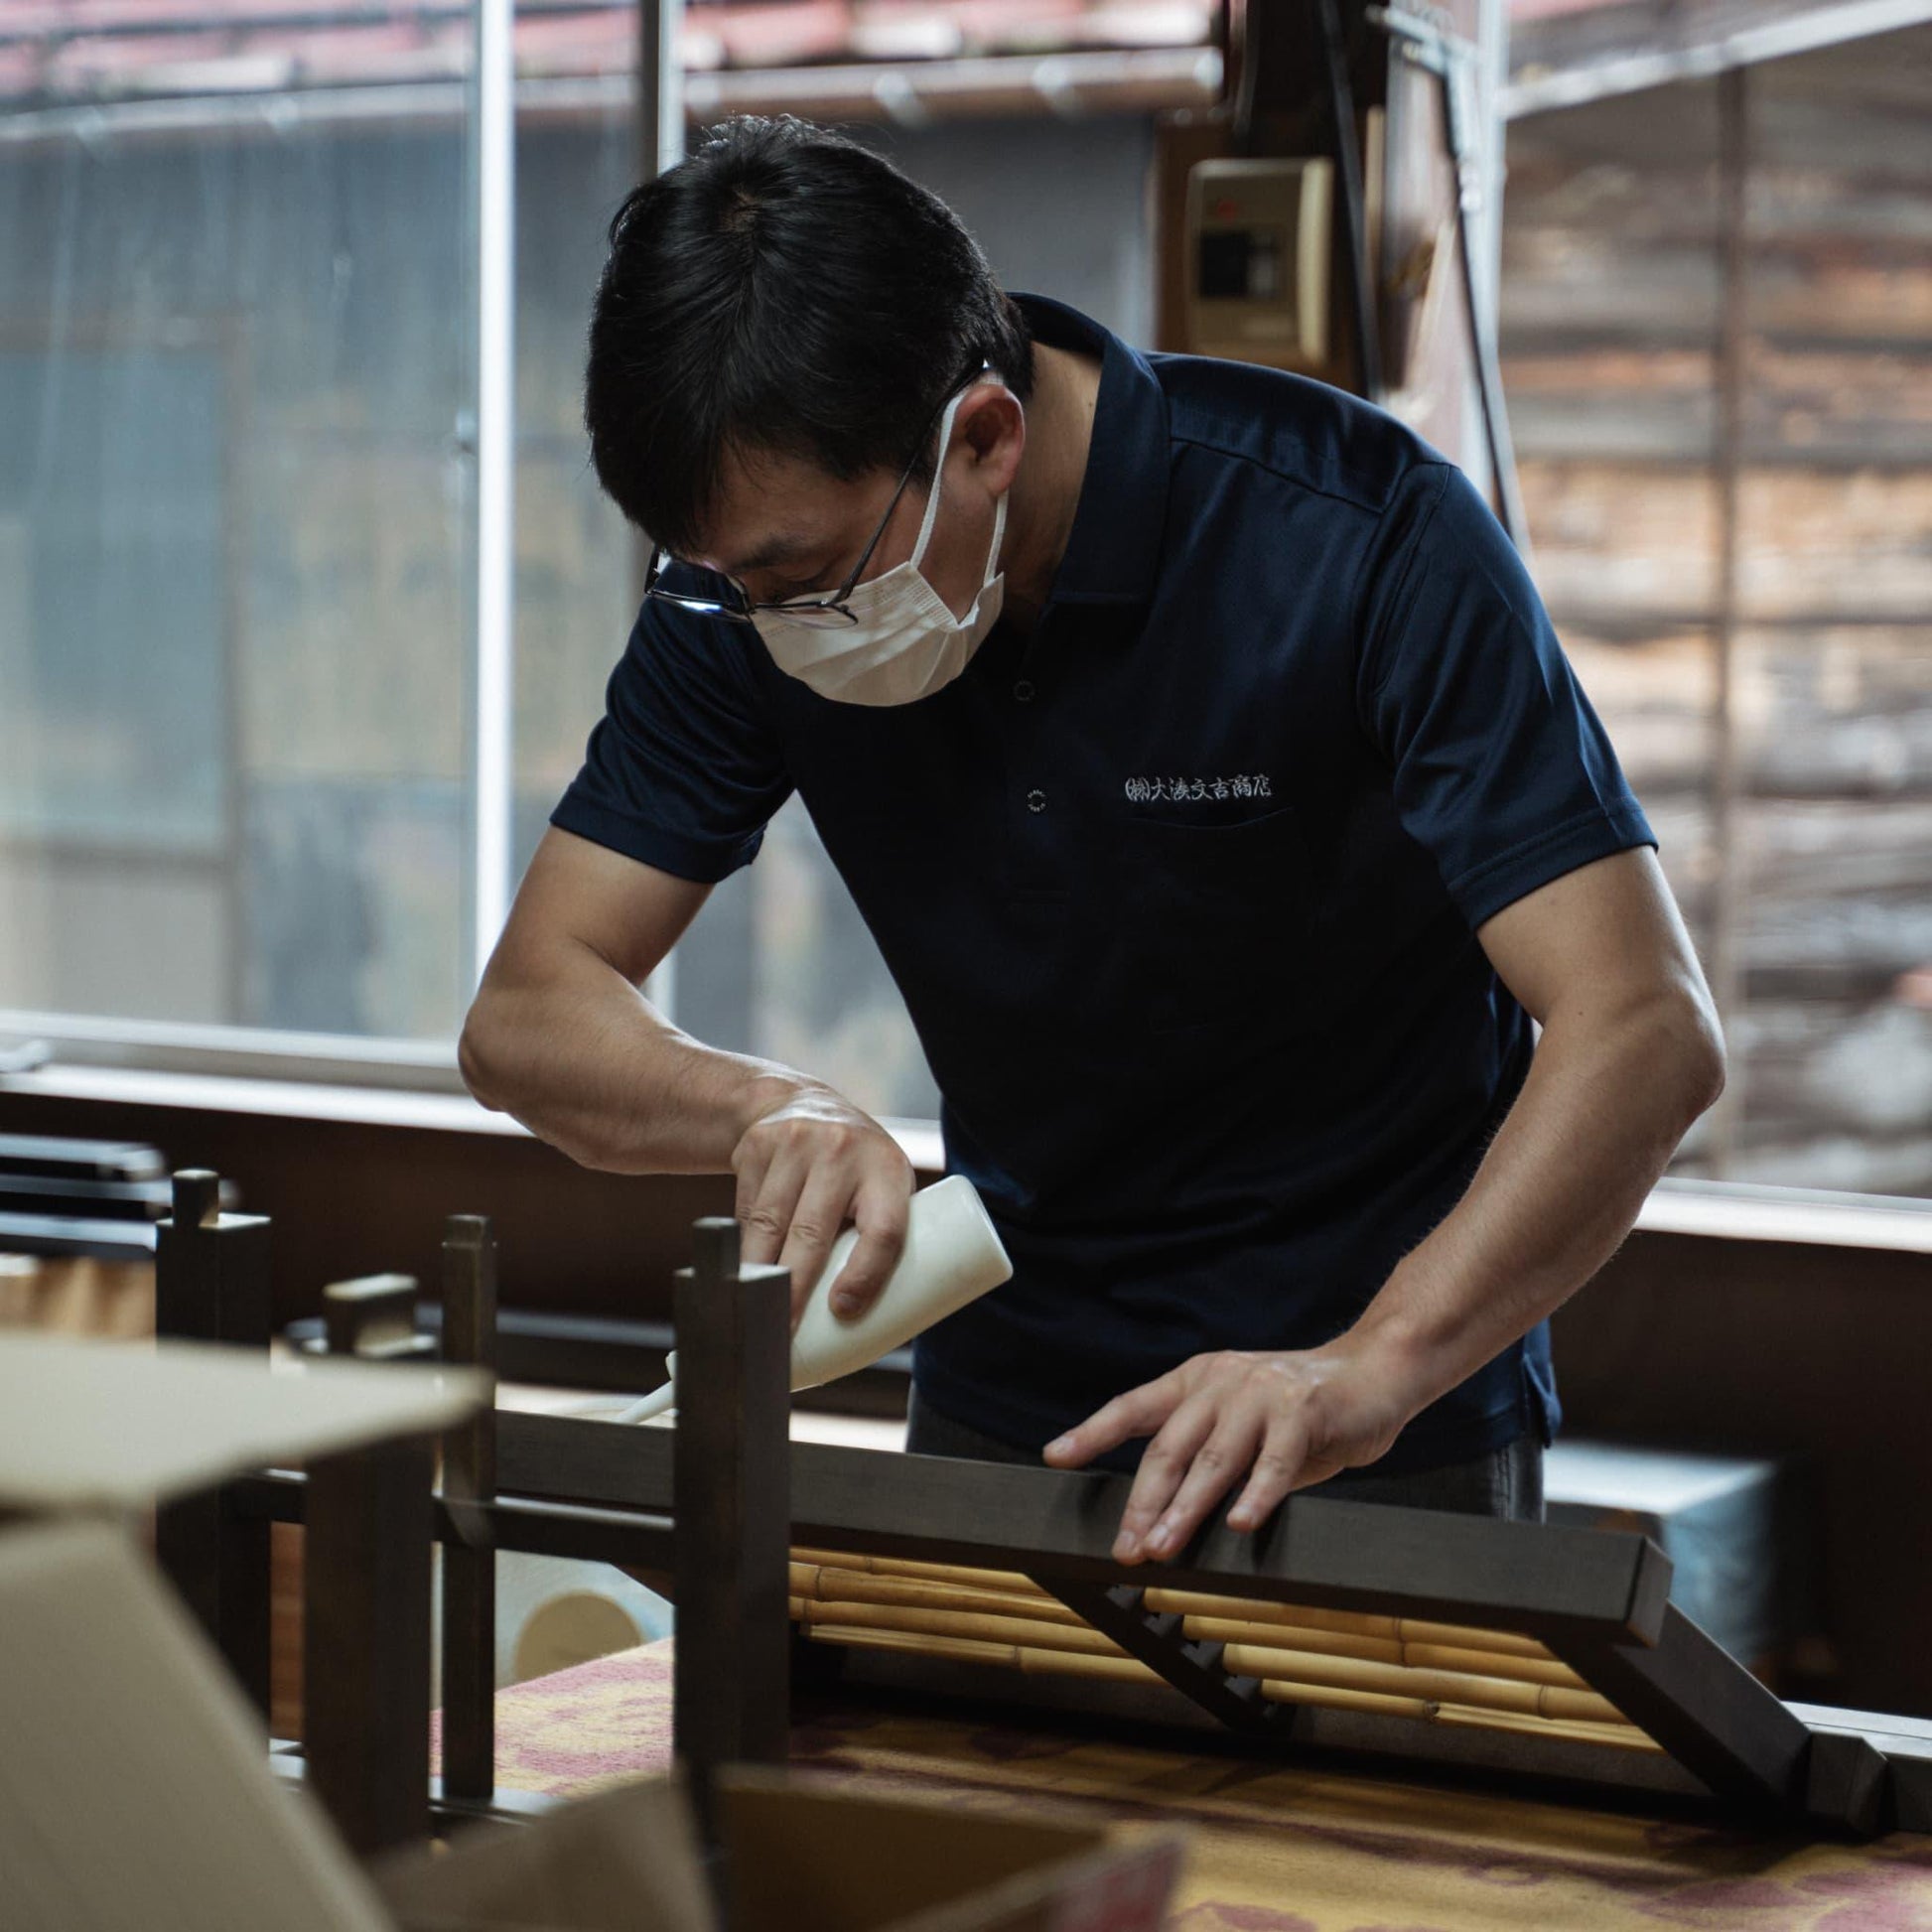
(561, 1036)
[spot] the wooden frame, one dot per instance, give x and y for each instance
(717, 1517)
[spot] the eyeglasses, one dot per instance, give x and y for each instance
(822, 613)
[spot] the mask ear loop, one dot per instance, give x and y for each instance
(939, 469)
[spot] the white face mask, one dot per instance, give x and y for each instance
(906, 644)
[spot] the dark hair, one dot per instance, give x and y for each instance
(784, 290)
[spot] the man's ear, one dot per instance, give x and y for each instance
(993, 426)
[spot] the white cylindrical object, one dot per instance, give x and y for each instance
(952, 1256)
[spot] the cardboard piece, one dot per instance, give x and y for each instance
(803, 1855)
(135, 1794)
(623, 1861)
(811, 1856)
(96, 1425)
(135, 1789)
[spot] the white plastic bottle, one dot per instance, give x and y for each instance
(952, 1256)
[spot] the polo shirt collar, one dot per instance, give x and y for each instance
(1114, 551)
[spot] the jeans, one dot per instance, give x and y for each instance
(1506, 1483)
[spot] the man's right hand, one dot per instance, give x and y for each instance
(809, 1167)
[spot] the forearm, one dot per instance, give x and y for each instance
(580, 1056)
(1608, 1098)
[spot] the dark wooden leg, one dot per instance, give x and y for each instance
(1719, 1721)
(365, 1640)
(469, 1476)
(731, 1490)
(212, 1284)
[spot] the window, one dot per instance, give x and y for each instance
(243, 611)
(235, 514)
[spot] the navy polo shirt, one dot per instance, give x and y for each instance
(1182, 891)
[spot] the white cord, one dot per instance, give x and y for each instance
(638, 1409)
(648, 1406)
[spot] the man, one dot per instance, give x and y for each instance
(1200, 757)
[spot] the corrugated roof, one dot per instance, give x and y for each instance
(101, 50)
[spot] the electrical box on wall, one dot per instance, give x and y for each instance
(1258, 255)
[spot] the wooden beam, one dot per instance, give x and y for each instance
(1053, 1524)
(1604, 51)
(629, 1539)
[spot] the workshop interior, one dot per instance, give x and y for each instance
(424, 1504)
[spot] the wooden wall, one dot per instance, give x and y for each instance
(1611, 285)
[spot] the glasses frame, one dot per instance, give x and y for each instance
(836, 605)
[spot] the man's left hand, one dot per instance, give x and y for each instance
(1282, 1420)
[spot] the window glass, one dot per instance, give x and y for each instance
(234, 513)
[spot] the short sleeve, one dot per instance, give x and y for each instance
(1500, 767)
(682, 771)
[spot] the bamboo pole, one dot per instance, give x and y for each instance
(1619, 1737)
(1336, 1696)
(1249, 1610)
(1023, 1632)
(1378, 1650)
(1021, 1657)
(991, 1640)
(1282, 1637)
(1467, 1636)
(1448, 1687)
(830, 1585)
(1353, 1623)
(1007, 1581)
(1493, 1663)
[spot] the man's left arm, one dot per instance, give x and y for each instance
(1630, 1054)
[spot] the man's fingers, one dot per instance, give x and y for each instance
(816, 1219)
(1277, 1471)
(751, 1165)
(1164, 1468)
(1216, 1466)
(1139, 1412)
(879, 1213)
(766, 1217)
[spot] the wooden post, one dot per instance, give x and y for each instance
(469, 1476)
(373, 1316)
(1726, 464)
(365, 1640)
(731, 1491)
(212, 1284)
(368, 1522)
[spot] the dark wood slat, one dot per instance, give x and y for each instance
(1848, 1783)
(1054, 1524)
(1715, 1718)
(61, 1157)
(1157, 1640)
(212, 1284)
(626, 1537)
(468, 1633)
(365, 1640)
(731, 1685)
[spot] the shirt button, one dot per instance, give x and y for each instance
(1022, 691)
(1035, 801)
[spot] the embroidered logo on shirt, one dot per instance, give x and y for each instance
(1187, 791)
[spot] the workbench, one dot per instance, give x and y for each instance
(1274, 1847)
(1627, 1763)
